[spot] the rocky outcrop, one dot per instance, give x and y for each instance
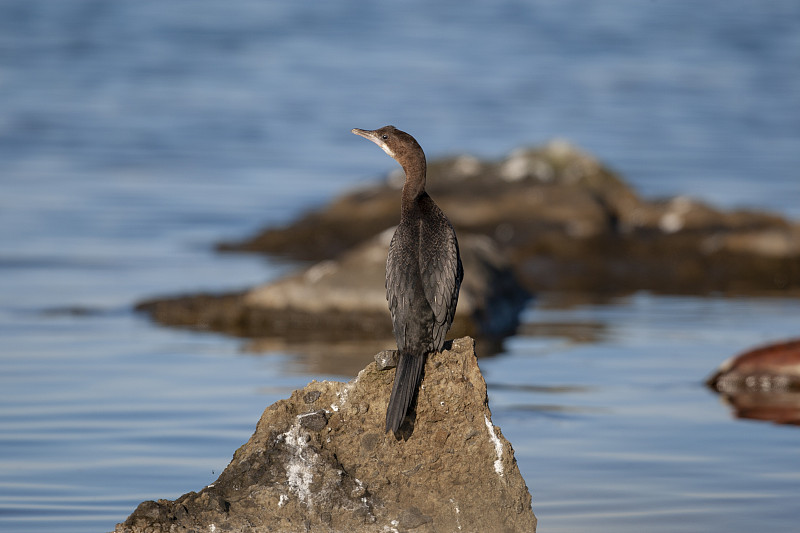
(320, 461)
(345, 298)
(763, 383)
(568, 223)
(542, 219)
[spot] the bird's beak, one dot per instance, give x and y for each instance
(373, 136)
(364, 133)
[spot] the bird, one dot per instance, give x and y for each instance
(423, 272)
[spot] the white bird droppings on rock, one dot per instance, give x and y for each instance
(299, 471)
(498, 446)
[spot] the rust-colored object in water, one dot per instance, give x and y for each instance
(762, 384)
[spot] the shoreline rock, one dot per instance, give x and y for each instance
(320, 461)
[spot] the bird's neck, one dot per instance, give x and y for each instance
(414, 186)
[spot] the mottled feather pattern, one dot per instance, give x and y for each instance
(441, 271)
(391, 286)
(397, 286)
(431, 252)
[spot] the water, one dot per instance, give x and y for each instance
(615, 431)
(135, 135)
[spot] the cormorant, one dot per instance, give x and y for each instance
(423, 272)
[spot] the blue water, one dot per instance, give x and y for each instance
(135, 135)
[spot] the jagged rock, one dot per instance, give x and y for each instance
(345, 298)
(763, 383)
(568, 223)
(320, 461)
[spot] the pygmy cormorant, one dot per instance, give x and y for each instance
(423, 272)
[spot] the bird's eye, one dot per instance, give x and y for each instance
(385, 136)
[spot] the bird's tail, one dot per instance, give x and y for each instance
(406, 380)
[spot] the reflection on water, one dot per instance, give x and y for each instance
(779, 407)
(338, 358)
(311, 358)
(548, 389)
(577, 332)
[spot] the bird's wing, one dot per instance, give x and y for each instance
(440, 266)
(395, 288)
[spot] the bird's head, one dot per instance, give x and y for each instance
(398, 144)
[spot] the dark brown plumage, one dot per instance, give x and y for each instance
(423, 272)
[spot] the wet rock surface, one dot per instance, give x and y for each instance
(763, 383)
(567, 222)
(320, 461)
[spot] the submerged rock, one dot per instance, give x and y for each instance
(567, 222)
(320, 461)
(763, 383)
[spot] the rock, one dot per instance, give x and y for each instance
(345, 298)
(549, 219)
(767, 368)
(557, 188)
(568, 223)
(762, 384)
(320, 461)
(386, 359)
